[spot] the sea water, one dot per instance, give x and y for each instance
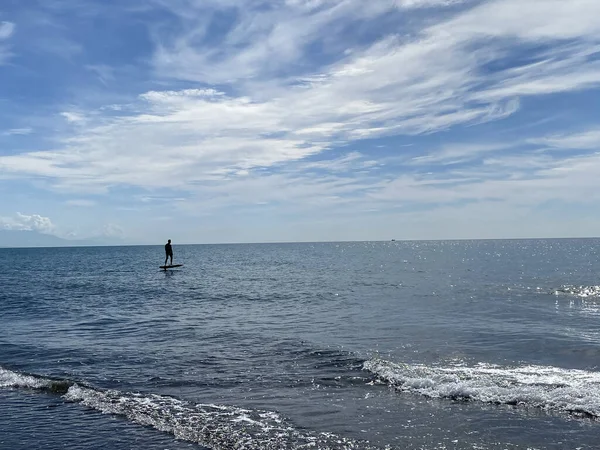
(363, 345)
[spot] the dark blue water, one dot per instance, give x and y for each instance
(408, 345)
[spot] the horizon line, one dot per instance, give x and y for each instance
(306, 242)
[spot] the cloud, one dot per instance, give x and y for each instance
(521, 180)
(350, 161)
(104, 73)
(458, 153)
(265, 41)
(517, 182)
(589, 139)
(289, 83)
(426, 3)
(528, 20)
(112, 230)
(24, 222)
(81, 203)
(17, 132)
(7, 29)
(72, 117)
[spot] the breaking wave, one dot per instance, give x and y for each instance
(575, 392)
(579, 291)
(215, 426)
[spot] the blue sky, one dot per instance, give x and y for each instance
(295, 120)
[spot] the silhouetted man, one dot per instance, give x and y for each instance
(168, 252)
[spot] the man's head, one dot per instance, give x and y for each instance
(169, 241)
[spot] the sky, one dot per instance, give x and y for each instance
(208, 121)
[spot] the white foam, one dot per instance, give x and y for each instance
(579, 291)
(215, 426)
(548, 388)
(16, 380)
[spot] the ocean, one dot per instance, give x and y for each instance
(489, 344)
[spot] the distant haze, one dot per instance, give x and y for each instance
(36, 239)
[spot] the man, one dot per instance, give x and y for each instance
(168, 252)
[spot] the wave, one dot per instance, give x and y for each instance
(579, 291)
(575, 392)
(16, 380)
(214, 426)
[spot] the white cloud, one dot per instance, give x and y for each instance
(458, 153)
(24, 222)
(276, 106)
(515, 183)
(6, 30)
(112, 230)
(287, 193)
(426, 3)
(104, 73)
(586, 140)
(17, 132)
(81, 202)
(531, 20)
(264, 40)
(525, 180)
(169, 96)
(342, 164)
(73, 117)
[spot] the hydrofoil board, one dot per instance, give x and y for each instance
(172, 266)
